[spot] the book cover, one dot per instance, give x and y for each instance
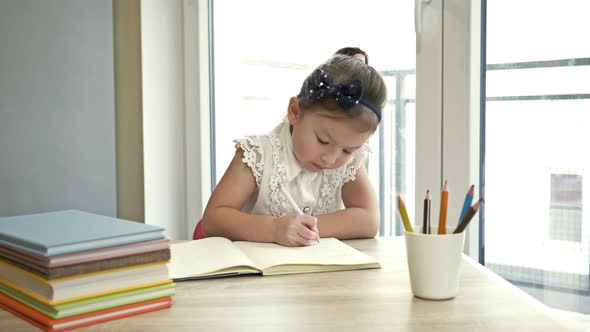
(82, 286)
(193, 259)
(91, 304)
(93, 266)
(61, 232)
(55, 325)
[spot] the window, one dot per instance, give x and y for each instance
(536, 116)
(262, 63)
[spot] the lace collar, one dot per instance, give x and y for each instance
(292, 165)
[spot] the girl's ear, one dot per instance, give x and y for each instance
(360, 57)
(293, 110)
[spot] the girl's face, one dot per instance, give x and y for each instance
(322, 142)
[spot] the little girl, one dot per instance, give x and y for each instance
(307, 176)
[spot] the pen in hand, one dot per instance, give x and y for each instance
(293, 204)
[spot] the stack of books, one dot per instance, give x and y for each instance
(66, 269)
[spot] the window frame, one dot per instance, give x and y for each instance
(435, 133)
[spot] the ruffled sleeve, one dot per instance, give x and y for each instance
(358, 159)
(253, 155)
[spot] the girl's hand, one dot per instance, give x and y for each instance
(296, 230)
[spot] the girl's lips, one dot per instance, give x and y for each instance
(317, 167)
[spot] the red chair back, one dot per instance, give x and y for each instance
(198, 233)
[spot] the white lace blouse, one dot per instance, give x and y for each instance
(271, 159)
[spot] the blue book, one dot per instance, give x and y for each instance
(62, 232)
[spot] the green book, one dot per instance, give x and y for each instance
(80, 307)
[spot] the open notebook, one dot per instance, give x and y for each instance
(220, 257)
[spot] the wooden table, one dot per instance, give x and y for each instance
(364, 300)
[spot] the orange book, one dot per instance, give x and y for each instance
(48, 324)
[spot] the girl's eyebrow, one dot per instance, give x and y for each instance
(330, 139)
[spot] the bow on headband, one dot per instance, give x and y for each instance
(347, 94)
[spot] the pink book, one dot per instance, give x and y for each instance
(91, 260)
(85, 256)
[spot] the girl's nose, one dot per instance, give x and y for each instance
(328, 158)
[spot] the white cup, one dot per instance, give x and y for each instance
(434, 263)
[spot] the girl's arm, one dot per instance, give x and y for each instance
(360, 217)
(223, 217)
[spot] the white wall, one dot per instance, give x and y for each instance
(447, 108)
(163, 115)
(196, 84)
(460, 119)
(175, 113)
(57, 126)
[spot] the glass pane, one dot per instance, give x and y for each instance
(537, 122)
(264, 50)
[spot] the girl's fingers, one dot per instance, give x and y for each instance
(299, 240)
(312, 225)
(306, 234)
(309, 222)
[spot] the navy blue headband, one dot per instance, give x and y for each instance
(347, 94)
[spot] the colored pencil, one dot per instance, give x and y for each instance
(465, 221)
(404, 213)
(444, 202)
(426, 222)
(467, 202)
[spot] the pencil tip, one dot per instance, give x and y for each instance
(478, 203)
